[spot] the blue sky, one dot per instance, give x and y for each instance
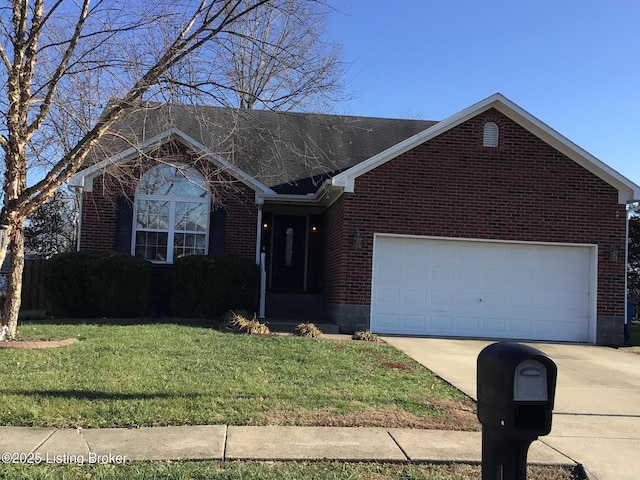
(575, 65)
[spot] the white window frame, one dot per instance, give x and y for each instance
(172, 200)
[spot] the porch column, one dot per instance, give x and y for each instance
(259, 234)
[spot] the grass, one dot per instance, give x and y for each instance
(168, 374)
(268, 471)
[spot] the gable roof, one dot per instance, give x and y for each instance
(300, 156)
(273, 152)
(628, 191)
(84, 178)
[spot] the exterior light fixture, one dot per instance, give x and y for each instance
(357, 239)
(614, 253)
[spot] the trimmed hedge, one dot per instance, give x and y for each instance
(92, 284)
(210, 286)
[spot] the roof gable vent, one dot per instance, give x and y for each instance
(490, 135)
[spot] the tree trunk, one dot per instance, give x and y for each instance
(4, 242)
(14, 284)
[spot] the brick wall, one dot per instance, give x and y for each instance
(99, 217)
(241, 223)
(336, 250)
(99, 214)
(453, 187)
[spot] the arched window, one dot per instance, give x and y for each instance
(490, 135)
(171, 217)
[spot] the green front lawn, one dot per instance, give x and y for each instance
(269, 471)
(169, 374)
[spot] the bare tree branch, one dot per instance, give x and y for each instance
(73, 69)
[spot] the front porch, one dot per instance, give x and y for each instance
(292, 246)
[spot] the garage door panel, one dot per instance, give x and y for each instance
(482, 289)
(415, 297)
(387, 271)
(496, 278)
(515, 302)
(389, 322)
(388, 296)
(519, 328)
(495, 325)
(439, 299)
(415, 272)
(441, 323)
(415, 322)
(467, 324)
(494, 300)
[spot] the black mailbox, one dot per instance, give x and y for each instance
(516, 390)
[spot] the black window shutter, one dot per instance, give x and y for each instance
(124, 224)
(217, 224)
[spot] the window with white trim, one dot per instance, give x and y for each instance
(171, 214)
(490, 135)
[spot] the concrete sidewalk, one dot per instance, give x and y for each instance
(221, 442)
(596, 419)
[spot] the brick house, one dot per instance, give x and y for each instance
(488, 224)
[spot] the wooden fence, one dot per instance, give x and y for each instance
(33, 296)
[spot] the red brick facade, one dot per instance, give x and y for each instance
(99, 213)
(452, 186)
(99, 221)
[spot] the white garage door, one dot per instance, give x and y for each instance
(464, 288)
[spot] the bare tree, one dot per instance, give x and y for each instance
(275, 60)
(72, 69)
(51, 228)
(280, 61)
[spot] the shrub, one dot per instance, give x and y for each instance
(307, 330)
(239, 321)
(192, 286)
(236, 320)
(209, 286)
(237, 284)
(365, 336)
(94, 284)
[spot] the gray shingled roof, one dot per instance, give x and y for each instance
(289, 152)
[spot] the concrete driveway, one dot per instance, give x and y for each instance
(596, 418)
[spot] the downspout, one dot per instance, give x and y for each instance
(630, 210)
(259, 234)
(626, 273)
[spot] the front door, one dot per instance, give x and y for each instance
(289, 239)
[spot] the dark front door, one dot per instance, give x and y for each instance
(287, 268)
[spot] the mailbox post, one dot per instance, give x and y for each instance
(516, 391)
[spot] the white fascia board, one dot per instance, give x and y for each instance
(628, 191)
(291, 198)
(84, 178)
(347, 178)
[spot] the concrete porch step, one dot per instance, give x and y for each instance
(301, 307)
